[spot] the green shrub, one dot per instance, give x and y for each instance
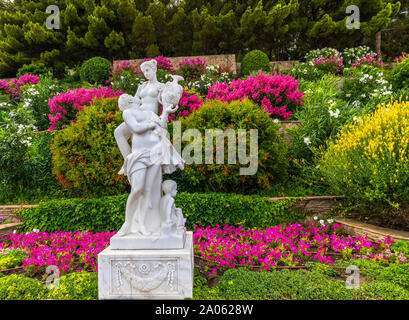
(401, 247)
(12, 259)
(396, 273)
(384, 290)
(272, 162)
(86, 158)
(239, 284)
(368, 161)
(366, 86)
(108, 213)
(201, 291)
(400, 75)
(33, 180)
(95, 70)
(19, 287)
(33, 68)
(76, 286)
(322, 268)
(255, 61)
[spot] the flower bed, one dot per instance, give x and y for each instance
(221, 247)
(13, 88)
(284, 245)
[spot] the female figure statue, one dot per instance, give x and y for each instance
(151, 153)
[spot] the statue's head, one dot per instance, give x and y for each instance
(125, 101)
(149, 68)
(169, 187)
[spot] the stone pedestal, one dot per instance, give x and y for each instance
(146, 274)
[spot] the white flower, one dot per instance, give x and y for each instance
(355, 118)
(334, 114)
(307, 141)
(276, 121)
(315, 218)
(330, 220)
(322, 222)
(14, 231)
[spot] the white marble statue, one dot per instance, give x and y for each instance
(149, 156)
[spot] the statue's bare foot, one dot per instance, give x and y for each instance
(143, 231)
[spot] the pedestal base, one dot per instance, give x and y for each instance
(146, 274)
(165, 240)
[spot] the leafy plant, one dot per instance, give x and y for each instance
(19, 287)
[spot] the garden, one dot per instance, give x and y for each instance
(334, 124)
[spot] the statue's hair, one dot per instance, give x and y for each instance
(125, 101)
(168, 186)
(151, 63)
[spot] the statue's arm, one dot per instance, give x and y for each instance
(135, 126)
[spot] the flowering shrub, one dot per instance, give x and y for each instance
(331, 64)
(321, 54)
(187, 104)
(163, 64)
(277, 94)
(206, 80)
(192, 69)
(350, 55)
(369, 60)
(369, 161)
(401, 58)
(65, 106)
(366, 85)
(306, 71)
(125, 77)
(400, 74)
(13, 89)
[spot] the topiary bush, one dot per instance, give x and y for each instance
(108, 213)
(86, 158)
(400, 74)
(272, 161)
(34, 69)
(368, 162)
(95, 70)
(76, 286)
(255, 61)
(19, 287)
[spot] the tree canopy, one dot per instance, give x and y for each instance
(120, 29)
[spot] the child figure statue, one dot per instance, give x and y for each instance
(174, 222)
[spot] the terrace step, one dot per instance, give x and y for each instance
(374, 233)
(8, 228)
(8, 211)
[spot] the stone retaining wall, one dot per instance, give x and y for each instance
(228, 60)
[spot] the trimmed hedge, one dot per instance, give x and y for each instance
(108, 213)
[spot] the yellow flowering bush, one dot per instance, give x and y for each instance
(368, 161)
